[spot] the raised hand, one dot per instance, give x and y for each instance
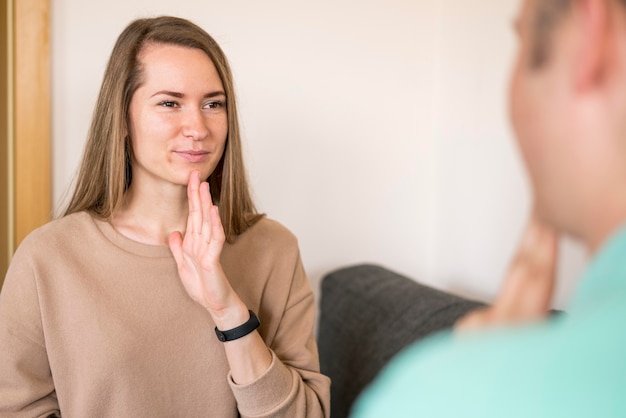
(197, 256)
(528, 287)
(197, 253)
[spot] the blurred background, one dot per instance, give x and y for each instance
(376, 130)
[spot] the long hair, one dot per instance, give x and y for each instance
(106, 168)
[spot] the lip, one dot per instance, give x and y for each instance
(193, 156)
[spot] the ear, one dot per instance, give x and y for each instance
(594, 49)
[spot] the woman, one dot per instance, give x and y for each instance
(142, 300)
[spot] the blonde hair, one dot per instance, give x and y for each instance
(106, 170)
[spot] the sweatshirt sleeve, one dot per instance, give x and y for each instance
(293, 385)
(26, 385)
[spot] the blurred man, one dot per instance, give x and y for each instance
(568, 109)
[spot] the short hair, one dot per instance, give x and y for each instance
(106, 169)
(548, 14)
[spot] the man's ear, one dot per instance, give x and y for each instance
(594, 42)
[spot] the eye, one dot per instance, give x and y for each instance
(215, 104)
(168, 103)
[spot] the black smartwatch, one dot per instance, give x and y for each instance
(240, 331)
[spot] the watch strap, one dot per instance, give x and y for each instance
(240, 331)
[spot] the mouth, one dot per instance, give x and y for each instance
(193, 156)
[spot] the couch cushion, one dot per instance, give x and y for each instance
(367, 315)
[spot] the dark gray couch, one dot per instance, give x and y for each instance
(367, 315)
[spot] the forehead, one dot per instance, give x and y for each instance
(178, 64)
(525, 11)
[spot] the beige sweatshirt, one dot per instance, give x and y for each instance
(93, 324)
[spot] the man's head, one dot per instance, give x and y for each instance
(545, 18)
(568, 107)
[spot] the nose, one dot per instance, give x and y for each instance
(194, 125)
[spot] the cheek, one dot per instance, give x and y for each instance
(222, 127)
(525, 102)
(218, 127)
(519, 112)
(527, 115)
(220, 131)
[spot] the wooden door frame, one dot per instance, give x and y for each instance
(28, 122)
(6, 129)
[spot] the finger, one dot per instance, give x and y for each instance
(546, 259)
(216, 225)
(216, 243)
(206, 203)
(478, 318)
(529, 285)
(194, 221)
(537, 263)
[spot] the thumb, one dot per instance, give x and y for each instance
(527, 291)
(476, 319)
(176, 246)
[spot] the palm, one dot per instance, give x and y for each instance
(197, 253)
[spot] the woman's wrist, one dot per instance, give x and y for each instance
(231, 317)
(240, 331)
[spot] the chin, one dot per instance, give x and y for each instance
(555, 218)
(182, 177)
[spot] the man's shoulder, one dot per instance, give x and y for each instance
(561, 366)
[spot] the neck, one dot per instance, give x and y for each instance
(606, 224)
(604, 214)
(150, 215)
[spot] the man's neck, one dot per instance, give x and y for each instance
(606, 218)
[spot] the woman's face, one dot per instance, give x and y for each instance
(178, 118)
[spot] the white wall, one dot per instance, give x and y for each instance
(375, 130)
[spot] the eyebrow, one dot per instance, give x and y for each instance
(181, 95)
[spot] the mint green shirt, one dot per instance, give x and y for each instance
(571, 366)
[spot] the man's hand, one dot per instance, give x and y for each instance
(527, 290)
